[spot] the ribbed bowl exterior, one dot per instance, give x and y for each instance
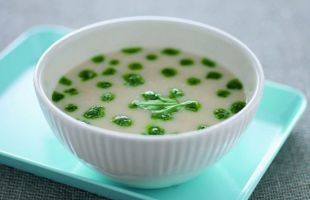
(148, 163)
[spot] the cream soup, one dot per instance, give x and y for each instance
(150, 91)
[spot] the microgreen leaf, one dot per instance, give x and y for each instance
(164, 107)
(175, 93)
(122, 120)
(94, 112)
(150, 95)
(237, 106)
(154, 130)
(65, 81)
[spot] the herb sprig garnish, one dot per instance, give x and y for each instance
(163, 107)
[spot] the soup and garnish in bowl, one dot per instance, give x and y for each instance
(149, 101)
(150, 91)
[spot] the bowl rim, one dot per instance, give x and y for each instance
(117, 134)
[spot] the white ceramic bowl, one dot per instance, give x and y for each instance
(148, 161)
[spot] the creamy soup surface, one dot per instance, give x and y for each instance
(150, 91)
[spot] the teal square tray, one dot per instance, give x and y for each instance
(27, 143)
